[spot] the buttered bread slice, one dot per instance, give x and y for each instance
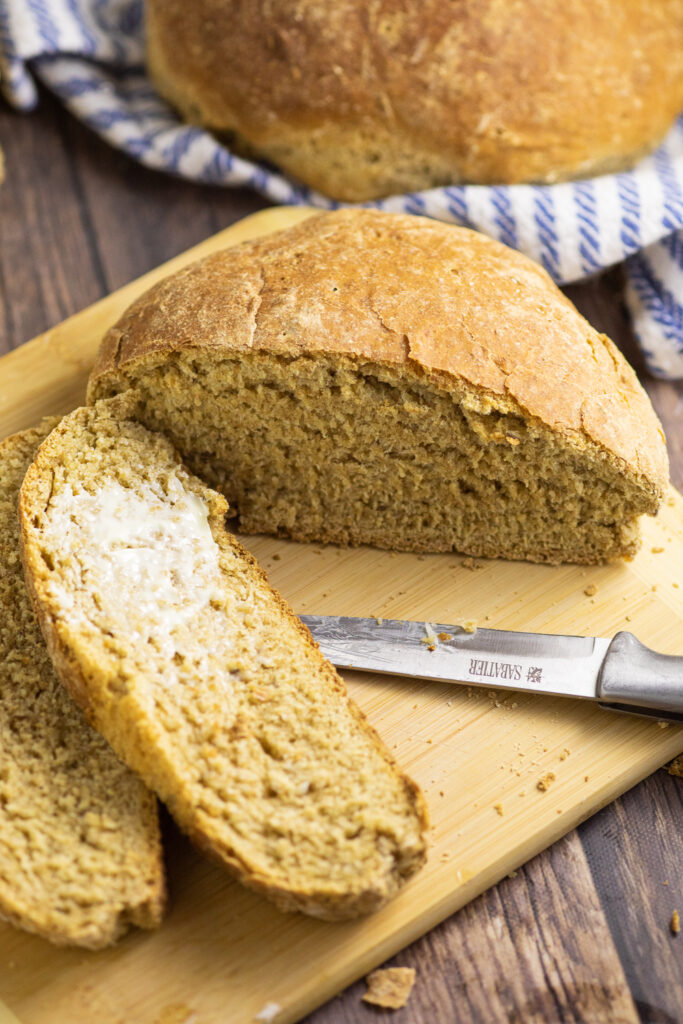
(167, 633)
(80, 853)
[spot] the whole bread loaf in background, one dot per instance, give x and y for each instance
(166, 632)
(80, 850)
(361, 99)
(385, 379)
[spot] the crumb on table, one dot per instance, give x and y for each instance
(390, 987)
(590, 590)
(544, 783)
(675, 923)
(675, 767)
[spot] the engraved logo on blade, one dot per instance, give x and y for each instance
(505, 670)
(496, 669)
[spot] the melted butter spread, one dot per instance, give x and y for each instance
(141, 565)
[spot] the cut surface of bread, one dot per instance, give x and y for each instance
(166, 631)
(364, 100)
(80, 851)
(374, 378)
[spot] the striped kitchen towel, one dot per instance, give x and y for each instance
(91, 54)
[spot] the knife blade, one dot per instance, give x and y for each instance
(620, 673)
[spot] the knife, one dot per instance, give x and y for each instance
(621, 674)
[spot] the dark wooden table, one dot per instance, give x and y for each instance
(581, 933)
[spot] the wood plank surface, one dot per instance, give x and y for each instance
(635, 879)
(534, 985)
(96, 220)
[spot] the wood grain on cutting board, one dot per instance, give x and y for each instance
(224, 953)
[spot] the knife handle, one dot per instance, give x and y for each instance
(636, 679)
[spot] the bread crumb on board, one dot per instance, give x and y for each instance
(498, 808)
(269, 1013)
(472, 564)
(590, 590)
(390, 987)
(544, 783)
(675, 923)
(675, 767)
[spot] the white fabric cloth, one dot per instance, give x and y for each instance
(91, 54)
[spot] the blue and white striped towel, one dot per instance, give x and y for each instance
(91, 54)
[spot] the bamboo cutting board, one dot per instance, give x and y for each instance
(224, 954)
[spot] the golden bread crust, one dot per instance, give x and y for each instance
(362, 100)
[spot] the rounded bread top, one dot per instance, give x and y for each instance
(441, 301)
(473, 90)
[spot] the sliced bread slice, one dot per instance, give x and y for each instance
(80, 853)
(168, 634)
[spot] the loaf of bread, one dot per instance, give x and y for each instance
(80, 853)
(364, 100)
(168, 635)
(383, 379)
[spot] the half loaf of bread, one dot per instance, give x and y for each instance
(167, 633)
(375, 378)
(80, 853)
